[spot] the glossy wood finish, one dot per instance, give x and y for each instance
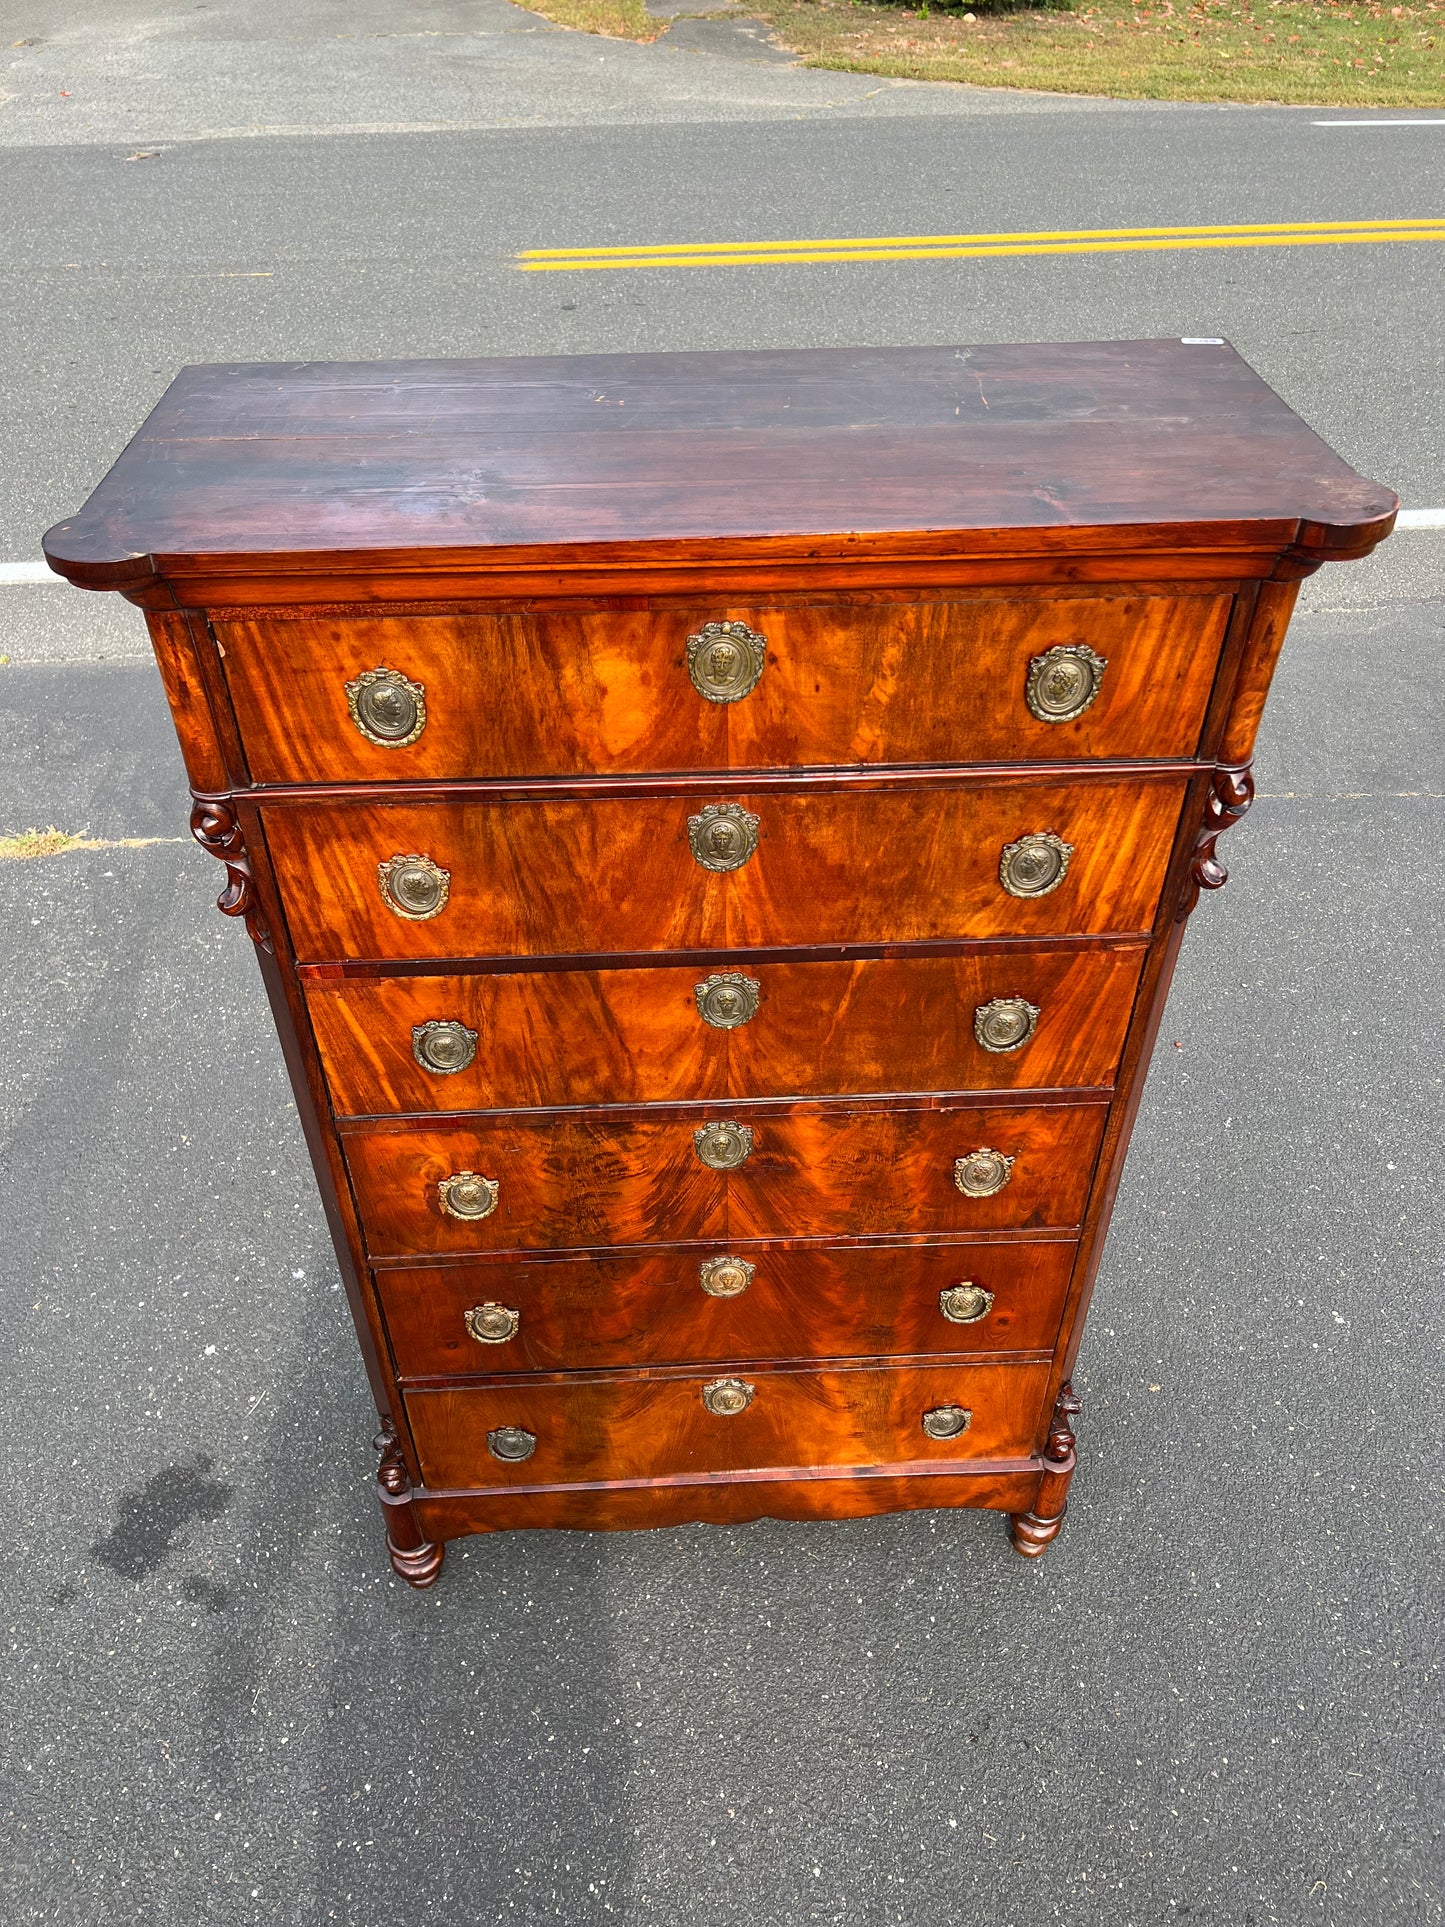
(649, 1308)
(891, 864)
(636, 1036)
(826, 1171)
(651, 1425)
(608, 691)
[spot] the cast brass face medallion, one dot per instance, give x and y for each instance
(414, 887)
(727, 1001)
(492, 1324)
(725, 660)
(1035, 865)
(1063, 682)
(725, 1277)
(726, 1397)
(443, 1045)
(1005, 1024)
(947, 1421)
(387, 707)
(982, 1173)
(466, 1195)
(723, 1146)
(511, 1442)
(965, 1303)
(722, 836)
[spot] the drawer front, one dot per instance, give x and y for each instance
(671, 1307)
(588, 1180)
(606, 874)
(639, 1426)
(595, 692)
(996, 1021)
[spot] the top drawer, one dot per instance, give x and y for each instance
(576, 693)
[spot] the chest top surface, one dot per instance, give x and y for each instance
(1018, 449)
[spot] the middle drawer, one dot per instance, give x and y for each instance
(501, 1041)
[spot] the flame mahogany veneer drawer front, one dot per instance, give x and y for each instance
(591, 1180)
(649, 1426)
(586, 692)
(991, 1021)
(659, 1307)
(603, 875)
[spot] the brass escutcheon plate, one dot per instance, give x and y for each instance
(725, 1277)
(1005, 1024)
(1035, 865)
(492, 1324)
(982, 1172)
(467, 1195)
(723, 1146)
(387, 707)
(728, 999)
(511, 1442)
(965, 1303)
(725, 661)
(414, 887)
(726, 1397)
(443, 1045)
(722, 836)
(947, 1421)
(1063, 682)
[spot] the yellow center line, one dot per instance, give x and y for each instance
(914, 247)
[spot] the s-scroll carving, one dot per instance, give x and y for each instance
(1231, 792)
(215, 827)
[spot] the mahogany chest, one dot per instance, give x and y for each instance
(717, 831)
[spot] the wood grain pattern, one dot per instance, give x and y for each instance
(649, 1308)
(841, 1170)
(874, 865)
(650, 1425)
(932, 682)
(636, 1037)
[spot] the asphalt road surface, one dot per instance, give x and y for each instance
(1214, 1699)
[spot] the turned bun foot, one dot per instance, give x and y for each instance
(1030, 1535)
(419, 1566)
(1030, 1532)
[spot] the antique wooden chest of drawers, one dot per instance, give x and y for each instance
(717, 831)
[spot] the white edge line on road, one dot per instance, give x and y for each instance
(40, 574)
(1377, 123)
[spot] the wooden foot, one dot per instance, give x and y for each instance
(413, 1558)
(1032, 1531)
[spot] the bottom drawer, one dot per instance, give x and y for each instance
(654, 1307)
(667, 1424)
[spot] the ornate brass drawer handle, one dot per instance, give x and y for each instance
(414, 887)
(982, 1172)
(1005, 1023)
(722, 836)
(492, 1324)
(387, 707)
(725, 661)
(947, 1421)
(511, 1442)
(466, 1195)
(1063, 682)
(1035, 865)
(725, 1277)
(965, 1303)
(443, 1045)
(723, 1146)
(729, 1000)
(726, 1397)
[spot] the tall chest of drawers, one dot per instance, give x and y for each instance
(717, 831)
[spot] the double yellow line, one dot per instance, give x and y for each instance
(946, 247)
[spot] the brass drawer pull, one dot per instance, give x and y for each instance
(722, 836)
(1063, 682)
(726, 1397)
(1005, 1023)
(443, 1045)
(414, 887)
(725, 1277)
(1035, 865)
(511, 1442)
(729, 1000)
(465, 1195)
(388, 708)
(723, 1146)
(965, 1303)
(982, 1172)
(492, 1324)
(725, 661)
(947, 1421)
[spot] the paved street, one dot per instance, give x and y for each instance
(1212, 1700)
